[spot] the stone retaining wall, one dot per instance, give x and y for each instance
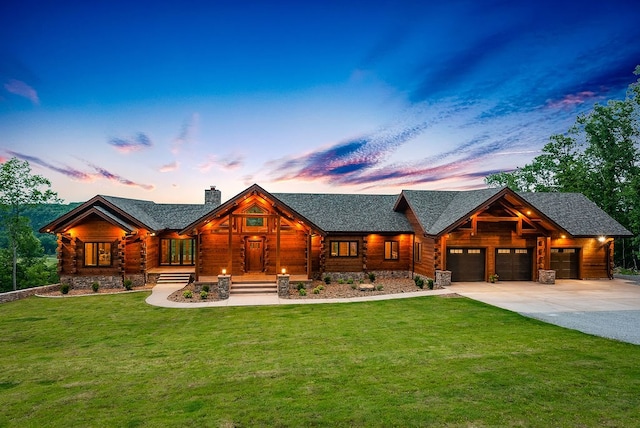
(105, 281)
(10, 296)
(361, 276)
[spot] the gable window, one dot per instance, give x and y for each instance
(177, 251)
(97, 254)
(391, 250)
(344, 248)
(255, 221)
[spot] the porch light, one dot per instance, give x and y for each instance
(224, 271)
(284, 271)
(602, 238)
(563, 236)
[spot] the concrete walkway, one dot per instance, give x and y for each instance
(607, 308)
(160, 293)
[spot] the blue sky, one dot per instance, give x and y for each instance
(160, 100)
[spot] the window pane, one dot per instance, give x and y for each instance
(90, 255)
(334, 249)
(187, 251)
(344, 249)
(104, 250)
(353, 248)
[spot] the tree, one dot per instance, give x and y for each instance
(599, 156)
(20, 189)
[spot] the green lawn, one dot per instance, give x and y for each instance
(430, 361)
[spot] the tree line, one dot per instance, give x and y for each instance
(598, 156)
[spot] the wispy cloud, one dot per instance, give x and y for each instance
(572, 100)
(187, 133)
(3, 159)
(173, 166)
(228, 163)
(133, 144)
(20, 88)
(79, 175)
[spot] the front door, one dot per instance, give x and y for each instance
(255, 256)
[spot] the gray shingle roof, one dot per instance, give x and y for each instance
(576, 214)
(160, 216)
(348, 213)
(436, 210)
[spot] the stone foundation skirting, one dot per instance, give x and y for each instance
(105, 281)
(10, 296)
(361, 276)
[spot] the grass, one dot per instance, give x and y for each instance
(115, 361)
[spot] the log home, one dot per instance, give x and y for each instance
(472, 234)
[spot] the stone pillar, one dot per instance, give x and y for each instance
(283, 285)
(443, 278)
(224, 285)
(546, 276)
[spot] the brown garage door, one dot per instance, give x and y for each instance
(514, 264)
(466, 264)
(565, 262)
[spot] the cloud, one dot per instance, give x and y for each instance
(82, 176)
(187, 130)
(127, 145)
(20, 88)
(3, 159)
(571, 100)
(173, 166)
(231, 162)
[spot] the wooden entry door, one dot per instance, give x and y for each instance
(255, 255)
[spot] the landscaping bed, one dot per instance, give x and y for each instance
(336, 290)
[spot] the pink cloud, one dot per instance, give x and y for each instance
(571, 100)
(18, 87)
(127, 145)
(169, 167)
(229, 163)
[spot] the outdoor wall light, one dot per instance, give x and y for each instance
(284, 271)
(602, 238)
(224, 271)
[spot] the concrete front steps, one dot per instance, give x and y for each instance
(244, 288)
(173, 278)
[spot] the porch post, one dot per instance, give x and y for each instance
(278, 245)
(230, 247)
(309, 254)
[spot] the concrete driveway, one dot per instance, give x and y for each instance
(607, 308)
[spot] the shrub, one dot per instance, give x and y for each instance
(419, 282)
(341, 281)
(316, 290)
(187, 294)
(320, 287)
(350, 281)
(430, 283)
(95, 286)
(327, 280)
(128, 284)
(300, 286)
(64, 288)
(379, 287)
(353, 286)
(204, 295)
(302, 292)
(372, 276)
(205, 288)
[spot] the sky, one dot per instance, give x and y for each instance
(161, 100)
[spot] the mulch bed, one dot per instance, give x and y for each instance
(337, 291)
(89, 291)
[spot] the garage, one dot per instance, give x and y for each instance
(565, 262)
(466, 264)
(514, 264)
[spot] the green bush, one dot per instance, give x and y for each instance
(317, 290)
(353, 286)
(379, 287)
(128, 284)
(204, 295)
(95, 286)
(187, 294)
(64, 288)
(302, 292)
(419, 282)
(350, 281)
(327, 280)
(372, 276)
(206, 288)
(300, 286)
(430, 283)
(341, 281)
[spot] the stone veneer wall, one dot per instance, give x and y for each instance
(361, 276)
(10, 296)
(105, 281)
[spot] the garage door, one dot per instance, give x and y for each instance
(565, 262)
(514, 264)
(466, 264)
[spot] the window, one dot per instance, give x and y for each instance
(255, 221)
(97, 254)
(417, 252)
(344, 248)
(177, 251)
(391, 250)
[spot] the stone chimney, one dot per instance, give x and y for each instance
(212, 196)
